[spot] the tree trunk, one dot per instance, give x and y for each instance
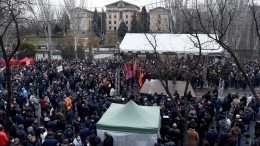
(9, 96)
(185, 134)
(185, 122)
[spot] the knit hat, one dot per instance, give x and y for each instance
(30, 129)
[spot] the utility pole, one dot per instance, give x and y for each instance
(101, 29)
(117, 74)
(49, 40)
(76, 32)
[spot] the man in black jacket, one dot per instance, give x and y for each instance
(108, 141)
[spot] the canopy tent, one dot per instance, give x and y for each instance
(26, 60)
(177, 43)
(12, 62)
(152, 86)
(130, 124)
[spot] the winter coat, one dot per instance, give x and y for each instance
(223, 138)
(212, 136)
(193, 137)
(50, 141)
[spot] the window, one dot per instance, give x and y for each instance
(127, 28)
(114, 28)
(121, 14)
(109, 22)
(114, 22)
(126, 16)
(109, 27)
(114, 16)
(126, 22)
(109, 16)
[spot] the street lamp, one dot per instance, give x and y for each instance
(117, 66)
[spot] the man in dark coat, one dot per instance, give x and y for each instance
(98, 141)
(174, 134)
(223, 137)
(50, 140)
(108, 141)
(70, 116)
(84, 133)
(21, 134)
(212, 136)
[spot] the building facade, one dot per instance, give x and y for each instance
(117, 12)
(159, 20)
(80, 20)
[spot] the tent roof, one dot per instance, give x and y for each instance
(178, 43)
(130, 118)
(26, 59)
(152, 86)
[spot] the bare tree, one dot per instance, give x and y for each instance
(164, 71)
(12, 12)
(47, 14)
(255, 14)
(219, 20)
(63, 19)
(76, 14)
(47, 17)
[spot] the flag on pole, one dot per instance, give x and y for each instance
(141, 75)
(128, 71)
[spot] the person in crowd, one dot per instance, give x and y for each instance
(224, 137)
(108, 141)
(212, 136)
(15, 142)
(193, 137)
(3, 137)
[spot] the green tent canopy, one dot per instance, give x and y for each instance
(131, 118)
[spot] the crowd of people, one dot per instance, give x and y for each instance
(51, 107)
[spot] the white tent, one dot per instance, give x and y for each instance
(131, 124)
(155, 85)
(178, 43)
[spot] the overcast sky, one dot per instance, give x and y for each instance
(99, 4)
(102, 3)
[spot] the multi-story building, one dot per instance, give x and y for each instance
(119, 11)
(159, 20)
(80, 20)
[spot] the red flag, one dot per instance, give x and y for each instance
(128, 71)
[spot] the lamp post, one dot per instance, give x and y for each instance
(117, 73)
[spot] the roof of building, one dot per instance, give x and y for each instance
(159, 8)
(122, 3)
(80, 9)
